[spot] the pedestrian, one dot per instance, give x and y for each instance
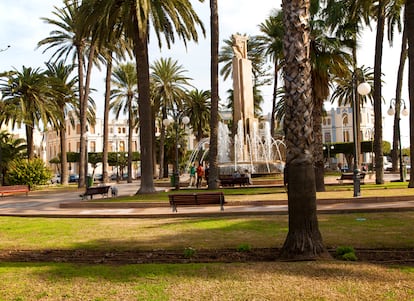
(200, 174)
(206, 171)
(192, 175)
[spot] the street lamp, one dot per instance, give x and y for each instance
(179, 120)
(115, 146)
(362, 89)
(328, 148)
(88, 181)
(404, 112)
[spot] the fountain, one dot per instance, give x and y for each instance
(250, 148)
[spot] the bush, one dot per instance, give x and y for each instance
(28, 172)
(244, 248)
(346, 253)
(189, 252)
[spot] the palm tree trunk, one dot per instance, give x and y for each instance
(82, 116)
(378, 149)
(409, 24)
(400, 74)
(318, 145)
(304, 240)
(145, 116)
(29, 141)
(162, 146)
(130, 132)
(105, 147)
(274, 99)
(213, 152)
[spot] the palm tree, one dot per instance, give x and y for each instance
(28, 99)
(169, 84)
(272, 46)
(10, 149)
(328, 60)
(198, 109)
(132, 19)
(304, 241)
(60, 80)
(409, 24)
(70, 38)
(125, 98)
(214, 79)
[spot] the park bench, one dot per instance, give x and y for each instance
(349, 176)
(231, 181)
(194, 199)
(91, 191)
(6, 190)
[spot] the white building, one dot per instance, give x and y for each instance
(117, 142)
(337, 127)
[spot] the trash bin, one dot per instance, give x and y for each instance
(172, 180)
(89, 181)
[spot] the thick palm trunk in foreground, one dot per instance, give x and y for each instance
(304, 240)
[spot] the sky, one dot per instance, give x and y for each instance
(21, 28)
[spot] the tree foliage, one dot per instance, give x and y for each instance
(28, 172)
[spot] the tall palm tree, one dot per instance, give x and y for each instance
(61, 81)
(133, 20)
(214, 81)
(272, 45)
(125, 98)
(409, 24)
(304, 241)
(70, 38)
(169, 86)
(328, 60)
(28, 96)
(198, 109)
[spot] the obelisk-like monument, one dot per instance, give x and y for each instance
(243, 106)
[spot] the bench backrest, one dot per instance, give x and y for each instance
(197, 198)
(14, 188)
(97, 189)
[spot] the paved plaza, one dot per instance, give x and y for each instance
(68, 203)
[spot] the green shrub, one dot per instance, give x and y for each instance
(244, 248)
(28, 172)
(189, 252)
(346, 253)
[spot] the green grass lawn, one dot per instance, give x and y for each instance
(320, 280)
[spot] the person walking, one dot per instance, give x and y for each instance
(200, 174)
(192, 175)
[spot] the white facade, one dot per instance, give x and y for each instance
(117, 142)
(337, 127)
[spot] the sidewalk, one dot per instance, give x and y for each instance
(69, 204)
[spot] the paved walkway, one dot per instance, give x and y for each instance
(48, 204)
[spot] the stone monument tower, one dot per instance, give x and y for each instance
(243, 107)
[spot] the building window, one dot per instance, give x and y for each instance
(78, 129)
(121, 146)
(93, 147)
(328, 138)
(346, 136)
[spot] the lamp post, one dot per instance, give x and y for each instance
(404, 112)
(179, 119)
(362, 89)
(328, 147)
(86, 157)
(115, 146)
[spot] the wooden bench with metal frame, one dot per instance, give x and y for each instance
(196, 199)
(12, 189)
(91, 191)
(349, 176)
